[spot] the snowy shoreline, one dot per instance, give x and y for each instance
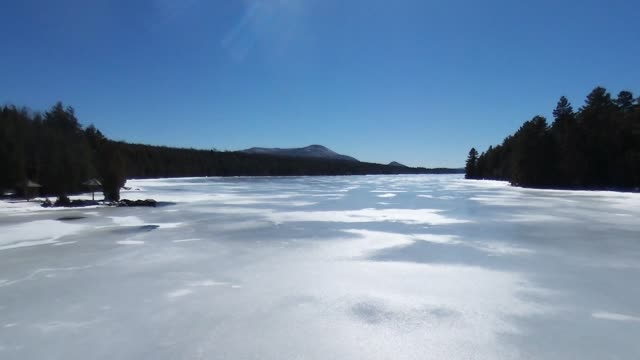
(142, 189)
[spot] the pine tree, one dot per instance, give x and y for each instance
(625, 101)
(565, 134)
(563, 109)
(472, 164)
(112, 170)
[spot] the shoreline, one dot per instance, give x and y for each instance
(143, 189)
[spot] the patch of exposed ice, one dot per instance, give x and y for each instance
(329, 195)
(407, 216)
(44, 271)
(536, 218)
(348, 188)
(496, 248)
(511, 200)
(54, 326)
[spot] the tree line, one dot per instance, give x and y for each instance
(596, 147)
(56, 151)
(53, 149)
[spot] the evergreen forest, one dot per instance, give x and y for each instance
(595, 147)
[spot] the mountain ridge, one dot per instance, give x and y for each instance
(311, 151)
(397, 164)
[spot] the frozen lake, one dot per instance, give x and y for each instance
(374, 267)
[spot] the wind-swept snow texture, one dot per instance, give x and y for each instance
(320, 268)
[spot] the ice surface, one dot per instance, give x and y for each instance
(321, 268)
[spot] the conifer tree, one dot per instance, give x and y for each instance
(470, 169)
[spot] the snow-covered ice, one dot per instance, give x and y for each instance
(320, 268)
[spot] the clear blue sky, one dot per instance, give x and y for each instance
(417, 81)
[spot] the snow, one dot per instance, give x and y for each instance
(185, 240)
(614, 317)
(33, 233)
(179, 293)
(130, 242)
(318, 267)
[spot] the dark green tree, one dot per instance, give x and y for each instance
(563, 109)
(112, 169)
(66, 154)
(14, 136)
(532, 156)
(471, 166)
(625, 101)
(568, 157)
(598, 133)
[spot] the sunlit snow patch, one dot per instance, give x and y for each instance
(127, 220)
(179, 293)
(186, 240)
(207, 283)
(604, 315)
(130, 242)
(37, 232)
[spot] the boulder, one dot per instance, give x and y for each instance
(137, 203)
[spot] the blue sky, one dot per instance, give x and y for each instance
(416, 81)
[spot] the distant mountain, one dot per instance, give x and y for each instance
(312, 151)
(397, 164)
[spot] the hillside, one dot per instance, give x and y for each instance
(311, 151)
